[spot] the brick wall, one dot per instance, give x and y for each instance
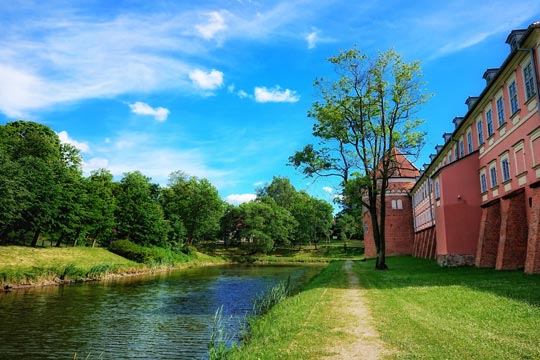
(425, 243)
(514, 232)
(532, 262)
(488, 241)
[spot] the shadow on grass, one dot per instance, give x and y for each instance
(412, 272)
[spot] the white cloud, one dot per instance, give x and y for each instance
(216, 24)
(275, 94)
(160, 114)
(207, 81)
(65, 139)
(237, 199)
(312, 40)
(242, 94)
(328, 189)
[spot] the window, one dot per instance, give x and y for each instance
(480, 132)
(505, 165)
(469, 142)
(450, 157)
(461, 148)
(519, 157)
(483, 182)
(437, 190)
(489, 121)
(530, 91)
(397, 204)
(513, 97)
(493, 176)
(456, 152)
(500, 111)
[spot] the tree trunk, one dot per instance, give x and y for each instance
(76, 237)
(60, 239)
(35, 238)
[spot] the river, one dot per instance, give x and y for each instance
(164, 316)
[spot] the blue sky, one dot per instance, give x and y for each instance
(220, 89)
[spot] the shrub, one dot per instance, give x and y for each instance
(149, 255)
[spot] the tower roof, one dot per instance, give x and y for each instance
(403, 167)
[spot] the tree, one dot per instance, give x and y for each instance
(314, 218)
(139, 214)
(363, 115)
(195, 203)
(281, 190)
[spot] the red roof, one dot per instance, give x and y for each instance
(403, 167)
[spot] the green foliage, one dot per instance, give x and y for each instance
(218, 346)
(271, 297)
(366, 112)
(149, 255)
(139, 215)
(192, 206)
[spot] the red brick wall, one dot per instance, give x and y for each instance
(399, 232)
(532, 262)
(488, 241)
(425, 243)
(514, 233)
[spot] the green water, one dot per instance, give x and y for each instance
(166, 316)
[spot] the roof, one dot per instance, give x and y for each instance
(403, 167)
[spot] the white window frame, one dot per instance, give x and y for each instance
(480, 129)
(483, 181)
(470, 146)
(505, 167)
(494, 182)
(500, 111)
(528, 79)
(514, 100)
(489, 123)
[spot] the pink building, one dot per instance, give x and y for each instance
(478, 201)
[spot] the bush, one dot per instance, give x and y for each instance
(149, 255)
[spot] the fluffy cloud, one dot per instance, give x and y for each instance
(328, 189)
(216, 24)
(312, 40)
(275, 94)
(65, 139)
(206, 81)
(160, 114)
(237, 199)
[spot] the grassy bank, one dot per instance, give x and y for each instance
(301, 326)
(422, 311)
(354, 250)
(427, 312)
(27, 266)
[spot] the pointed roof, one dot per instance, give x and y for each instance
(404, 168)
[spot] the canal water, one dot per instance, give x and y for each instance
(165, 316)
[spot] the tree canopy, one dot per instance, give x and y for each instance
(365, 112)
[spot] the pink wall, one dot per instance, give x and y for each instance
(458, 209)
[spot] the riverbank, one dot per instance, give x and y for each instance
(24, 267)
(418, 310)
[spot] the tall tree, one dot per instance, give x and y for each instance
(195, 203)
(362, 116)
(139, 214)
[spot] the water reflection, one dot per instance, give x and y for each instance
(165, 316)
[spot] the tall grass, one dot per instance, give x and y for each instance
(267, 300)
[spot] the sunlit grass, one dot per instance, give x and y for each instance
(428, 312)
(300, 327)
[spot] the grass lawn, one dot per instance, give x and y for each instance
(428, 312)
(300, 327)
(307, 253)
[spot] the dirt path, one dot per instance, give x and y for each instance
(360, 340)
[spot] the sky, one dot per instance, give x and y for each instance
(221, 89)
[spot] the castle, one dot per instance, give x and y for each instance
(478, 201)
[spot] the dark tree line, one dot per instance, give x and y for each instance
(44, 197)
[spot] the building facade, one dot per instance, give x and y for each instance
(478, 200)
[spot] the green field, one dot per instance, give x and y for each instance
(422, 311)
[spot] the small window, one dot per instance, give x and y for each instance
(505, 165)
(500, 111)
(483, 182)
(437, 190)
(461, 148)
(480, 129)
(469, 142)
(530, 91)
(493, 176)
(512, 90)
(489, 121)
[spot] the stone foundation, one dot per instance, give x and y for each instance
(453, 260)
